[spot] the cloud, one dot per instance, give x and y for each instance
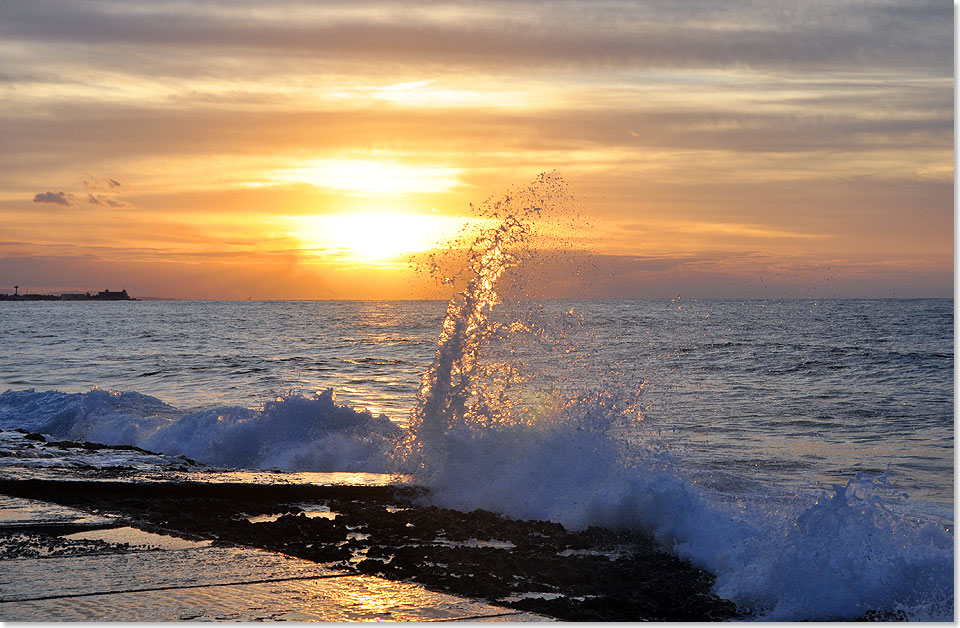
(851, 34)
(106, 200)
(105, 192)
(57, 198)
(102, 192)
(101, 184)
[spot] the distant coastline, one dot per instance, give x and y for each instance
(103, 295)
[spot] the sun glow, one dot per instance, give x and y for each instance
(376, 236)
(371, 178)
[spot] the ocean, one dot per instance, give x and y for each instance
(802, 450)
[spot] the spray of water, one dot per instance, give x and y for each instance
(451, 393)
(489, 431)
(496, 426)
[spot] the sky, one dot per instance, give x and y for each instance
(306, 150)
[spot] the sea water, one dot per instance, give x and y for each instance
(802, 450)
(748, 405)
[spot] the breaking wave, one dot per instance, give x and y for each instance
(586, 458)
(293, 432)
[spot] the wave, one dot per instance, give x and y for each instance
(292, 432)
(838, 556)
(835, 557)
(478, 442)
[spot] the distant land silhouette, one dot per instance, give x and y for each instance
(103, 295)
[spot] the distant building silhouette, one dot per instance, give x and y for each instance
(107, 295)
(103, 295)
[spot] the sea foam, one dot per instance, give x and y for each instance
(292, 432)
(589, 459)
(837, 556)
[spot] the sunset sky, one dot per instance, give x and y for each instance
(304, 150)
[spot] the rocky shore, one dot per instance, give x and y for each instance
(536, 566)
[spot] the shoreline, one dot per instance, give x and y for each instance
(360, 529)
(532, 566)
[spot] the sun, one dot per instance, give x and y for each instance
(372, 237)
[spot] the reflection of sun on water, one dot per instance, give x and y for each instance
(374, 237)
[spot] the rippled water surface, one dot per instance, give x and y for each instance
(799, 388)
(800, 450)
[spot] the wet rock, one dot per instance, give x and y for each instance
(590, 575)
(70, 444)
(884, 616)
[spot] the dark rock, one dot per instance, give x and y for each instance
(420, 543)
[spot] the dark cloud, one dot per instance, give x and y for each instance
(57, 198)
(111, 197)
(101, 184)
(105, 192)
(114, 202)
(104, 200)
(853, 35)
(127, 132)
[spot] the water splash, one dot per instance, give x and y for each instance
(482, 436)
(465, 388)
(847, 556)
